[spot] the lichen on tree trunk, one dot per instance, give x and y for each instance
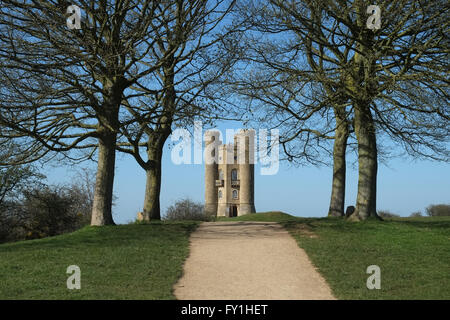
(367, 162)
(153, 169)
(342, 131)
(152, 210)
(155, 144)
(108, 123)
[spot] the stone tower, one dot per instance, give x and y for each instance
(229, 183)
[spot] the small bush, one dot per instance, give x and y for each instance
(9, 230)
(387, 214)
(438, 210)
(416, 214)
(186, 209)
(31, 209)
(49, 212)
(43, 212)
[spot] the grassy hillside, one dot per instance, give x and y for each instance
(116, 262)
(144, 261)
(412, 253)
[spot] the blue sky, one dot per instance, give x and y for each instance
(405, 185)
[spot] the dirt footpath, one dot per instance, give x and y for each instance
(248, 260)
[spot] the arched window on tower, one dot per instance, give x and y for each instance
(235, 194)
(220, 194)
(220, 174)
(234, 175)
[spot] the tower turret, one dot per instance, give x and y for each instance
(245, 142)
(211, 171)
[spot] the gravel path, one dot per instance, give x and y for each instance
(248, 260)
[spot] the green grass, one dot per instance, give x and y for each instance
(144, 261)
(116, 262)
(412, 253)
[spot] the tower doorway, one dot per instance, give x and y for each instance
(233, 211)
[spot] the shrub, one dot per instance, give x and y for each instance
(438, 210)
(31, 209)
(50, 211)
(416, 214)
(42, 212)
(186, 209)
(387, 214)
(8, 225)
(14, 179)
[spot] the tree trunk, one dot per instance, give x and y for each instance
(152, 210)
(101, 210)
(337, 201)
(367, 163)
(155, 144)
(108, 119)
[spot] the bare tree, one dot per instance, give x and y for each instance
(321, 66)
(196, 41)
(63, 88)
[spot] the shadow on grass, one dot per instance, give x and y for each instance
(93, 237)
(426, 224)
